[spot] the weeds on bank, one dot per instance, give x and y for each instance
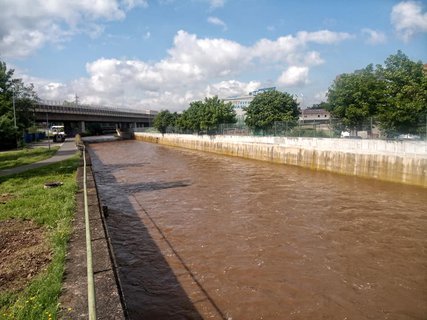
(53, 209)
(16, 158)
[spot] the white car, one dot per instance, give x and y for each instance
(57, 133)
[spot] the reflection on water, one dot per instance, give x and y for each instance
(198, 235)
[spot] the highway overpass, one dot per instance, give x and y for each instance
(77, 117)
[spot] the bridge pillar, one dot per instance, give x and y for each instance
(82, 126)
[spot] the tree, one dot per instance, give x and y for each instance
(163, 120)
(7, 128)
(12, 89)
(355, 97)
(269, 107)
(206, 115)
(396, 94)
(216, 112)
(405, 95)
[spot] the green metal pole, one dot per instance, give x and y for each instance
(90, 280)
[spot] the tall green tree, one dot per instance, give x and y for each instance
(163, 120)
(269, 107)
(7, 128)
(405, 95)
(12, 89)
(355, 97)
(395, 94)
(216, 112)
(206, 115)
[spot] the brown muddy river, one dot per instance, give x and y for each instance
(204, 236)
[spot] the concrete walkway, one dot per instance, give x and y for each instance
(67, 150)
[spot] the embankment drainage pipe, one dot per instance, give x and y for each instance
(90, 281)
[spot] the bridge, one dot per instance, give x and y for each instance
(78, 118)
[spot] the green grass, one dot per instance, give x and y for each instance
(11, 159)
(53, 209)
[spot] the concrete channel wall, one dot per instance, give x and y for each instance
(395, 161)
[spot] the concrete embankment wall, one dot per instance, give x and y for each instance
(396, 161)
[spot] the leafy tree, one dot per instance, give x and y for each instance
(405, 95)
(206, 115)
(396, 94)
(7, 129)
(182, 121)
(163, 120)
(216, 112)
(355, 97)
(269, 107)
(24, 96)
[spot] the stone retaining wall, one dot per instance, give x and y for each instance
(395, 161)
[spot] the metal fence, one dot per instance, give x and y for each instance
(331, 128)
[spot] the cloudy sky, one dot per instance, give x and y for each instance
(163, 54)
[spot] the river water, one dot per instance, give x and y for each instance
(205, 236)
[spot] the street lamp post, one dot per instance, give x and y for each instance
(13, 104)
(14, 114)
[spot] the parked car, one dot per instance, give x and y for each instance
(408, 137)
(57, 133)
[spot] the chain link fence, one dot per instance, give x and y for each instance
(330, 128)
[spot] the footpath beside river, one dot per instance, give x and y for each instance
(395, 161)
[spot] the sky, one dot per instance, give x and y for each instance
(164, 54)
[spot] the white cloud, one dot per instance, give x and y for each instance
(147, 35)
(374, 37)
(231, 88)
(289, 48)
(192, 69)
(217, 22)
(130, 4)
(408, 19)
(322, 36)
(313, 58)
(320, 96)
(293, 76)
(48, 90)
(28, 25)
(216, 3)
(208, 57)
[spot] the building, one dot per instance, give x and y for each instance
(314, 115)
(239, 102)
(262, 90)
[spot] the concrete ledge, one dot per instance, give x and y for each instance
(395, 161)
(73, 298)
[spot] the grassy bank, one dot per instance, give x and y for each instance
(11, 159)
(52, 209)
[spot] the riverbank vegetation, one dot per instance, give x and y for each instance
(395, 95)
(35, 225)
(201, 116)
(16, 104)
